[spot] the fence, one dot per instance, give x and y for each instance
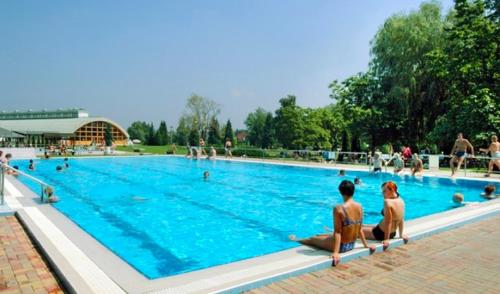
(438, 162)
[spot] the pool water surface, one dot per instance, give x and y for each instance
(160, 215)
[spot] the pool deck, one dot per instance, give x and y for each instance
(86, 266)
(462, 260)
(22, 268)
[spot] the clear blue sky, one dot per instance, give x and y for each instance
(140, 60)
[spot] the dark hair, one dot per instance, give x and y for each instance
(16, 167)
(489, 189)
(8, 155)
(346, 188)
(31, 160)
(66, 159)
(58, 168)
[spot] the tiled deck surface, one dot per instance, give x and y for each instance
(22, 270)
(463, 260)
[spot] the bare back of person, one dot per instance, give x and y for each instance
(397, 207)
(350, 215)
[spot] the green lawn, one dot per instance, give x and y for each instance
(152, 149)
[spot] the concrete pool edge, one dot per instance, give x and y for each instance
(214, 279)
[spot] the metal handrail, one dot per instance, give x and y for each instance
(43, 185)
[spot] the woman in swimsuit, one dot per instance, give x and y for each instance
(393, 212)
(348, 219)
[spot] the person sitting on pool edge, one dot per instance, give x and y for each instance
(393, 212)
(347, 221)
(51, 198)
(489, 192)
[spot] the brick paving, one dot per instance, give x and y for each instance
(463, 260)
(22, 269)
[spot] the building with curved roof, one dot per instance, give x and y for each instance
(74, 127)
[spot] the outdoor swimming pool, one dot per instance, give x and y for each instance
(159, 215)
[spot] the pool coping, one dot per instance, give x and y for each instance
(233, 277)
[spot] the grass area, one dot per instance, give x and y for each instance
(152, 149)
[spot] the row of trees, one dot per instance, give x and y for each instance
(198, 121)
(430, 76)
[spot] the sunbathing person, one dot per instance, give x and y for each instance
(393, 212)
(494, 151)
(348, 219)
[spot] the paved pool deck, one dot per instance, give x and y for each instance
(462, 260)
(22, 269)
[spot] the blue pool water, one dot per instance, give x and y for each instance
(159, 215)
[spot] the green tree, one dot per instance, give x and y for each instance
(200, 111)
(288, 123)
(151, 136)
(256, 122)
(162, 134)
(182, 132)
(194, 137)
(138, 130)
(470, 66)
(108, 135)
(268, 135)
(228, 132)
(409, 97)
(214, 137)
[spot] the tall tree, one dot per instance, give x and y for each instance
(214, 137)
(108, 135)
(162, 134)
(268, 135)
(288, 123)
(410, 96)
(182, 131)
(200, 111)
(255, 123)
(138, 130)
(151, 135)
(194, 137)
(228, 132)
